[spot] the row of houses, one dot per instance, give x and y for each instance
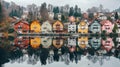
(82, 42)
(83, 27)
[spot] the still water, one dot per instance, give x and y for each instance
(60, 51)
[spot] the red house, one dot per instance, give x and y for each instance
(21, 27)
(21, 42)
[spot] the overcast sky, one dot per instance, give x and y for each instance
(83, 4)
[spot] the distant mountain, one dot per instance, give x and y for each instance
(117, 10)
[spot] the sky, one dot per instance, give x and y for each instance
(83, 4)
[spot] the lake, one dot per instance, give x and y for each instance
(51, 51)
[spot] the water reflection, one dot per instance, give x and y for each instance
(59, 49)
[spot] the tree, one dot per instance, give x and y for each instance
(91, 16)
(56, 10)
(50, 8)
(71, 11)
(101, 8)
(115, 28)
(44, 12)
(63, 18)
(2, 13)
(116, 15)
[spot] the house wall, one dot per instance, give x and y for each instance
(108, 44)
(55, 41)
(95, 42)
(46, 27)
(35, 42)
(95, 25)
(21, 27)
(46, 42)
(72, 28)
(60, 29)
(35, 27)
(83, 42)
(108, 27)
(83, 28)
(72, 41)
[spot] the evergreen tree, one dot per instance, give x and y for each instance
(56, 10)
(63, 18)
(116, 16)
(71, 11)
(115, 28)
(91, 16)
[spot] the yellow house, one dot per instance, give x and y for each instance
(35, 42)
(83, 27)
(57, 43)
(35, 27)
(58, 27)
(83, 42)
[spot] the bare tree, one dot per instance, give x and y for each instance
(44, 12)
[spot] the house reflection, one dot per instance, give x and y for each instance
(21, 42)
(46, 42)
(107, 44)
(58, 42)
(95, 42)
(35, 42)
(83, 42)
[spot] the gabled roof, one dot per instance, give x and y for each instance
(104, 21)
(95, 21)
(57, 21)
(22, 22)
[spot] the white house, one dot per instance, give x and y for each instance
(59, 16)
(46, 27)
(72, 27)
(51, 15)
(102, 17)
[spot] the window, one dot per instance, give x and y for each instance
(95, 27)
(107, 42)
(57, 42)
(82, 42)
(83, 27)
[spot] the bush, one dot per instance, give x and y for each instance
(11, 38)
(10, 30)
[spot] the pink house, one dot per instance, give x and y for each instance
(107, 44)
(107, 26)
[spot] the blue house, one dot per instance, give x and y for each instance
(95, 27)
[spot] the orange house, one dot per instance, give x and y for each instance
(58, 27)
(21, 27)
(35, 27)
